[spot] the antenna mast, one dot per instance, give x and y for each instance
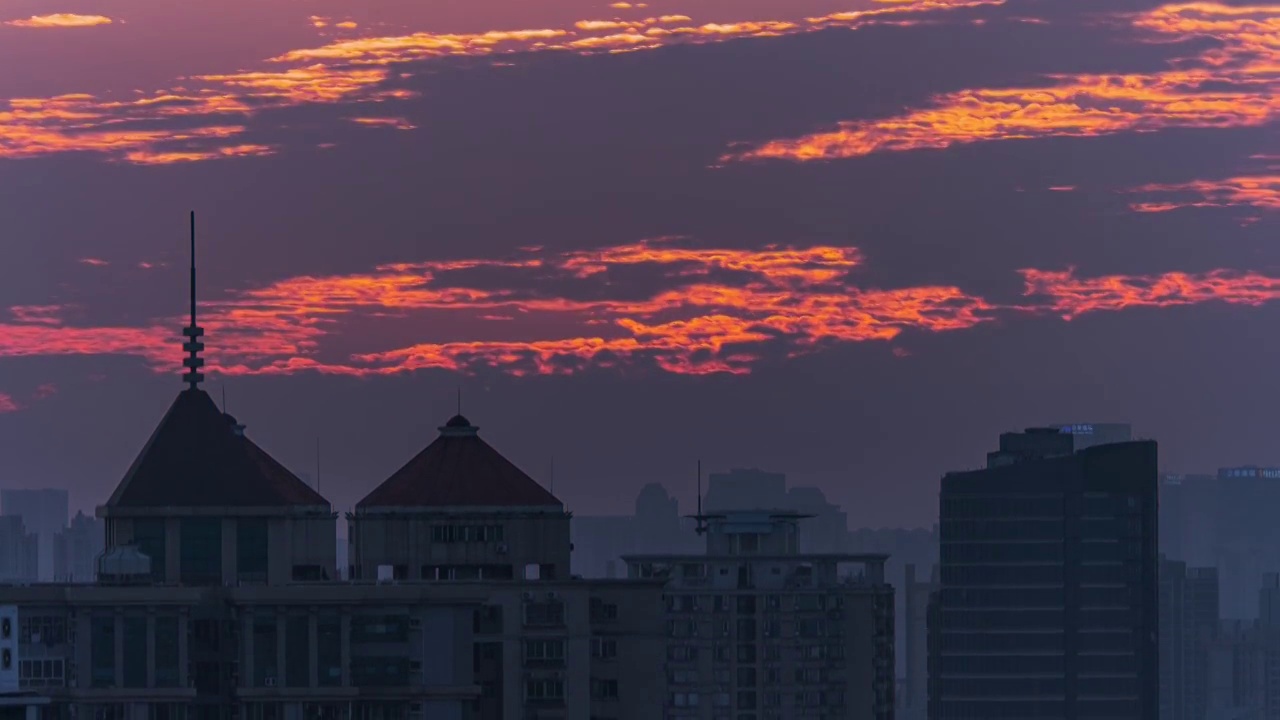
(317, 463)
(193, 332)
(700, 519)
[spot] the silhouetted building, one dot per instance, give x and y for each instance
(76, 549)
(755, 628)
(1188, 517)
(45, 513)
(19, 551)
(1048, 602)
(545, 644)
(913, 699)
(742, 489)
(1188, 625)
(15, 704)
(600, 541)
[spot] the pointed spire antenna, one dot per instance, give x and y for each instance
(317, 463)
(552, 473)
(459, 400)
(224, 399)
(193, 332)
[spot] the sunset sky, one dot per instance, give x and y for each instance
(850, 240)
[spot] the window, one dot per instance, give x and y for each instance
(41, 673)
(329, 650)
(200, 541)
(467, 533)
(604, 689)
(602, 611)
(544, 614)
(265, 670)
(251, 549)
(42, 630)
(102, 651)
(379, 671)
(682, 699)
(544, 689)
(149, 536)
(297, 651)
(604, 648)
(544, 649)
(135, 654)
(166, 651)
(682, 653)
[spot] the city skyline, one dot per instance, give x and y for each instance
(772, 234)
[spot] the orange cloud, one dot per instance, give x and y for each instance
(1232, 85)
(1070, 296)
(349, 70)
(398, 123)
(96, 262)
(60, 20)
(717, 310)
(1258, 191)
(7, 404)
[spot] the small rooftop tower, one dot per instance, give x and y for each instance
(193, 332)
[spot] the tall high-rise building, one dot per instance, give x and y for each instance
(1188, 625)
(1048, 600)
(76, 549)
(45, 514)
(913, 701)
(18, 551)
(757, 629)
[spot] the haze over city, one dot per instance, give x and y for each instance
(850, 241)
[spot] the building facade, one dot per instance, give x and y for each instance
(1048, 597)
(45, 513)
(77, 548)
(19, 551)
(756, 629)
(1189, 621)
(548, 645)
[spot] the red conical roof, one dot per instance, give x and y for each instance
(459, 469)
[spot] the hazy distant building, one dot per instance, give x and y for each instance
(755, 628)
(913, 703)
(1048, 600)
(76, 549)
(600, 541)
(45, 513)
(1188, 625)
(751, 489)
(1188, 517)
(1086, 435)
(19, 551)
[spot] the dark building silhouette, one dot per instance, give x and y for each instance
(1048, 604)
(1188, 625)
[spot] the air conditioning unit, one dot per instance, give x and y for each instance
(527, 597)
(271, 682)
(552, 596)
(502, 548)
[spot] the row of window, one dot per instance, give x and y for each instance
(771, 627)
(747, 604)
(750, 699)
(746, 653)
(467, 534)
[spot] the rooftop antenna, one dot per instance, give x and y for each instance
(700, 519)
(224, 399)
(553, 476)
(459, 400)
(193, 332)
(317, 463)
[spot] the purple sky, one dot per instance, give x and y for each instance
(850, 241)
